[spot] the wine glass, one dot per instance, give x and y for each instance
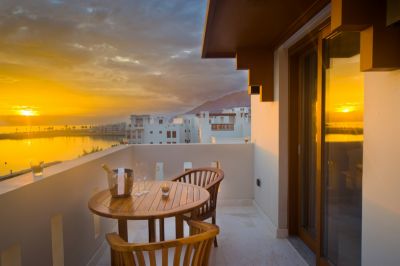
(143, 174)
(138, 175)
(144, 191)
(138, 193)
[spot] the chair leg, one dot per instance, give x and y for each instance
(213, 220)
(162, 234)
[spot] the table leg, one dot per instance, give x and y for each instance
(179, 226)
(113, 257)
(123, 229)
(152, 230)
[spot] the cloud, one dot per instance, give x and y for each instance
(121, 59)
(120, 48)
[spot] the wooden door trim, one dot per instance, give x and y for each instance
(295, 53)
(323, 34)
(293, 216)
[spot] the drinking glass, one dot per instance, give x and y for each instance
(141, 170)
(144, 191)
(37, 168)
(138, 193)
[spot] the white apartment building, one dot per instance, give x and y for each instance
(229, 126)
(189, 128)
(152, 129)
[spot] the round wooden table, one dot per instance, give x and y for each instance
(183, 198)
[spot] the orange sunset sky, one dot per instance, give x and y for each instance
(75, 62)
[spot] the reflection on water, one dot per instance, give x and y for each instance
(16, 155)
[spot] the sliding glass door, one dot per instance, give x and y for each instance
(343, 149)
(326, 146)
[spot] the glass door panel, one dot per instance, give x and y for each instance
(342, 149)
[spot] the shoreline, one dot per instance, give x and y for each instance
(59, 133)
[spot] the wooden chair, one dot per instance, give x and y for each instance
(210, 179)
(193, 250)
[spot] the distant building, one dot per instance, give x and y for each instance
(111, 129)
(228, 126)
(149, 129)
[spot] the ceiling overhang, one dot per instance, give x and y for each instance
(242, 28)
(251, 30)
(248, 23)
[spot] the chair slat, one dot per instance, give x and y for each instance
(140, 257)
(165, 257)
(198, 177)
(188, 255)
(177, 255)
(152, 258)
(128, 259)
(193, 250)
(206, 253)
(196, 257)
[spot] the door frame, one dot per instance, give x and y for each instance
(314, 38)
(295, 136)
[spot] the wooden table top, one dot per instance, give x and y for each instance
(182, 199)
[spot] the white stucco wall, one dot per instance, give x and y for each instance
(264, 128)
(236, 161)
(269, 134)
(381, 170)
(28, 205)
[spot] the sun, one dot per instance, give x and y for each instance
(28, 112)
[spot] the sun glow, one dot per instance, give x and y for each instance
(28, 112)
(346, 109)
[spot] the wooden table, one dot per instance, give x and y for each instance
(183, 198)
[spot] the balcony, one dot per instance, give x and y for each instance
(46, 221)
(222, 127)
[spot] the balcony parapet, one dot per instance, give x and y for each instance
(46, 220)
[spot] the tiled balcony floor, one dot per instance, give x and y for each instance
(245, 239)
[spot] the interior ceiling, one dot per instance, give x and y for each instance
(233, 24)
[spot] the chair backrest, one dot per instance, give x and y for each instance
(193, 250)
(209, 178)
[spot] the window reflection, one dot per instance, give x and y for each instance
(343, 146)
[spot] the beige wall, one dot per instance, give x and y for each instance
(381, 170)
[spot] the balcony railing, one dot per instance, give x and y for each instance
(46, 221)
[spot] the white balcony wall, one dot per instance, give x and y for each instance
(381, 170)
(236, 161)
(47, 221)
(29, 205)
